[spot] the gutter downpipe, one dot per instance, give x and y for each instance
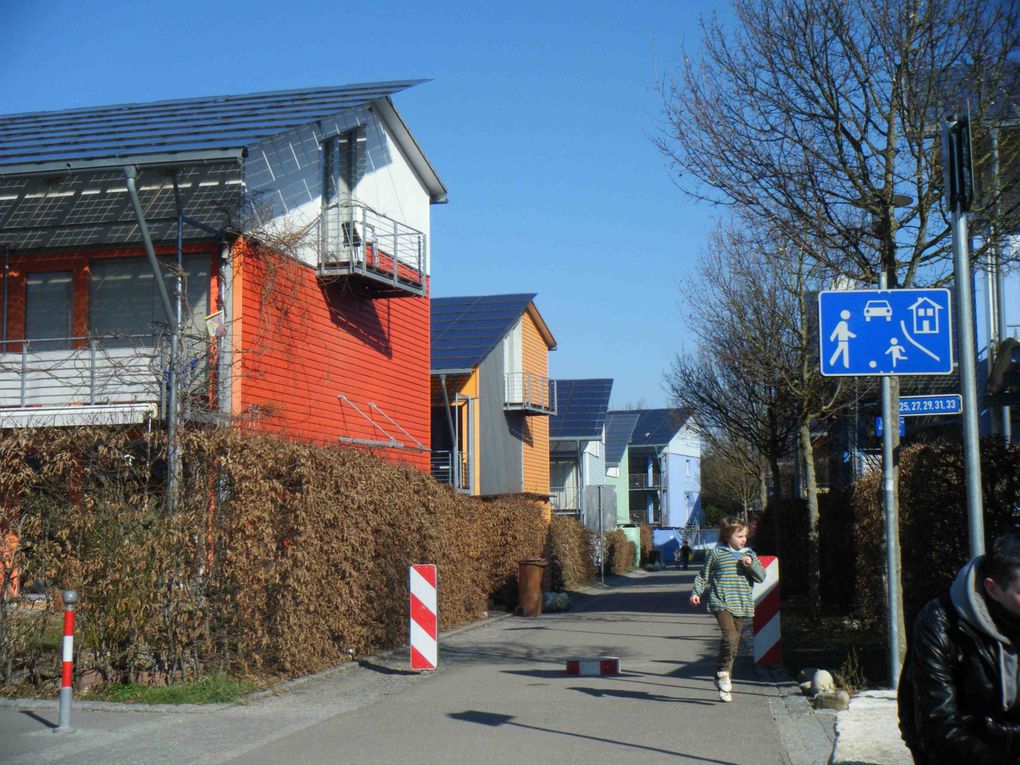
(7, 271)
(130, 174)
(454, 451)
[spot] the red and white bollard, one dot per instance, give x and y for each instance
(67, 676)
(768, 644)
(424, 619)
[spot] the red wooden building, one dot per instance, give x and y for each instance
(259, 259)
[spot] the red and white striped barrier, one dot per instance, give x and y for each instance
(768, 644)
(70, 597)
(424, 620)
(603, 665)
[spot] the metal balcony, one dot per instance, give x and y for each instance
(530, 393)
(384, 254)
(81, 380)
(564, 499)
(446, 471)
(644, 482)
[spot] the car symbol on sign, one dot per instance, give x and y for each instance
(877, 308)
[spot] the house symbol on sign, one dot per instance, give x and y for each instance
(926, 316)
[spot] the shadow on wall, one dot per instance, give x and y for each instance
(359, 315)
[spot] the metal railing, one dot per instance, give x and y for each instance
(645, 482)
(93, 370)
(564, 498)
(527, 391)
(443, 470)
(357, 240)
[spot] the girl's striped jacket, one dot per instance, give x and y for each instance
(729, 581)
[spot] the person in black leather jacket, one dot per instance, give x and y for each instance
(958, 694)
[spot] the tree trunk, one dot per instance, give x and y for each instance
(814, 556)
(777, 494)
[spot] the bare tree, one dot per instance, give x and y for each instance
(732, 474)
(820, 116)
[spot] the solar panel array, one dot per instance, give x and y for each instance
(215, 122)
(641, 427)
(619, 426)
(465, 329)
(582, 406)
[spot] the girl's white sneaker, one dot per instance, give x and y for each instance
(725, 696)
(722, 682)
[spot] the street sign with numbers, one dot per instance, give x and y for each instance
(915, 406)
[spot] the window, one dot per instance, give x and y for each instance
(343, 158)
(48, 310)
(124, 302)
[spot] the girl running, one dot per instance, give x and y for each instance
(729, 572)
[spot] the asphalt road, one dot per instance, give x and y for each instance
(500, 695)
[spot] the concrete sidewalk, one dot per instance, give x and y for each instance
(868, 733)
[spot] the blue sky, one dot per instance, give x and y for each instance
(538, 119)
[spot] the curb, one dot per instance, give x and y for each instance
(808, 735)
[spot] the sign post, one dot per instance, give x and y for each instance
(959, 185)
(886, 333)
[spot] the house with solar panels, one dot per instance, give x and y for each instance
(259, 259)
(491, 395)
(656, 454)
(577, 445)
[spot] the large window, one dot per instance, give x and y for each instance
(48, 310)
(343, 165)
(124, 303)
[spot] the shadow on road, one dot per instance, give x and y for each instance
(496, 720)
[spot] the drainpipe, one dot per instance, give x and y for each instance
(7, 271)
(454, 451)
(130, 174)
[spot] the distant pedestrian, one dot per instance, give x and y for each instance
(684, 554)
(959, 691)
(731, 568)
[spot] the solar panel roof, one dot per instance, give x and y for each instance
(214, 122)
(655, 427)
(619, 426)
(581, 409)
(465, 329)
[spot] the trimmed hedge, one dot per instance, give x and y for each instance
(279, 558)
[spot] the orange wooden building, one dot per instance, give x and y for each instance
(491, 395)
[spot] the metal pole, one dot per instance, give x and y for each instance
(602, 540)
(891, 518)
(999, 285)
(968, 381)
(66, 686)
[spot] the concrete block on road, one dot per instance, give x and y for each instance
(601, 665)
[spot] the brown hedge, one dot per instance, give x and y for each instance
(933, 519)
(279, 558)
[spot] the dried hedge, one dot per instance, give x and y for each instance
(619, 552)
(933, 519)
(569, 554)
(279, 558)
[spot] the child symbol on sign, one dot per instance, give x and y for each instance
(896, 351)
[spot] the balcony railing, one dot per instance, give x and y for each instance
(529, 392)
(79, 372)
(564, 498)
(443, 471)
(644, 482)
(355, 240)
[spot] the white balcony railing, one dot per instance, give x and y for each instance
(529, 392)
(355, 240)
(564, 499)
(81, 372)
(455, 473)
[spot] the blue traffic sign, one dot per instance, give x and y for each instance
(914, 406)
(878, 426)
(885, 332)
